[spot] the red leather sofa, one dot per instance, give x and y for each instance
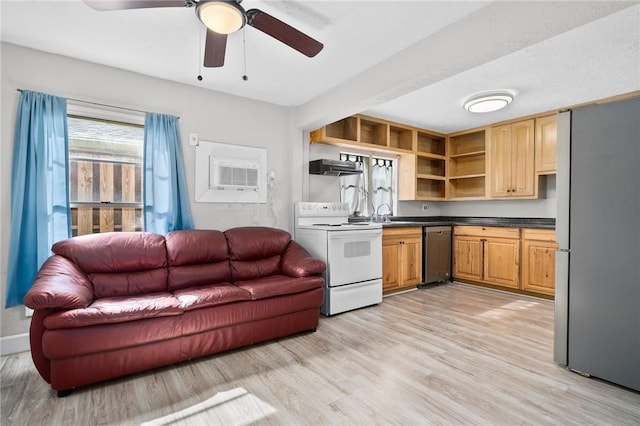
(108, 305)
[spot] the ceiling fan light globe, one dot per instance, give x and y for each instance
(221, 17)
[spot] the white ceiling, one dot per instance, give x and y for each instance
(409, 61)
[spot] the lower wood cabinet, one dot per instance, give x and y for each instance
(539, 260)
(468, 257)
(502, 261)
(516, 259)
(401, 258)
(487, 254)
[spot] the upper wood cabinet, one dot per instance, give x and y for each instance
(546, 144)
(501, 162)
(512, 161)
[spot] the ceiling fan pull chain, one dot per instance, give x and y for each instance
(244, 49)
(200, 52)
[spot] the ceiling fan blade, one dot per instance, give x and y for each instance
(133, 4)
(284, 32)
(214, 49)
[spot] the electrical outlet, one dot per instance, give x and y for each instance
(28, 312)
(425, 207)
(193, 139)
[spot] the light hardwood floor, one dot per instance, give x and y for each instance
(453, 354)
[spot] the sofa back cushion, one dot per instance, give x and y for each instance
(255, 252)
(197, 257)
(119, 263)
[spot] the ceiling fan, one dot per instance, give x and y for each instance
(222, 17)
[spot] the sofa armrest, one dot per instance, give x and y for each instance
(297, 262)
(60, 284)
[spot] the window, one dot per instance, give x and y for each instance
(374, 190)
(105, 175)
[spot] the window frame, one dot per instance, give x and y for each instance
(111, 115)
(369, 157)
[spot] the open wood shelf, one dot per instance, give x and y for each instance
(467, 165)
(433, 156)
(430, 189)
(400, 137)
(430, 144)
(481, 175)
(347, 129)
(472, 187)
(463, 166)
(468, 154)
(433, 177)
(373, 132)
(430, 166)
(467, 143)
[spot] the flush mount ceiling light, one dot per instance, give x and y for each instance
(222, 17)
(488, 101)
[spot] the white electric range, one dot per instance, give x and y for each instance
(352, 252)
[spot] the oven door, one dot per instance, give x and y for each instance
(354, 256)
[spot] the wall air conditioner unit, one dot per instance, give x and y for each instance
(234, 174)
(228, 173)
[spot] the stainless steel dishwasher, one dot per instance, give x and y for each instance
(437, 254)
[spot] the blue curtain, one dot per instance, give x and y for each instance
(166, 202)
(39, 188)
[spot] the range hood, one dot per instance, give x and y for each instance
(333, 168)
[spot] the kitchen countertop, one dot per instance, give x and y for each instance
(511, 222)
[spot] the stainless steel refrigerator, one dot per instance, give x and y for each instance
(597, 305)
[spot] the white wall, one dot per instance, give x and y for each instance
(214, 116)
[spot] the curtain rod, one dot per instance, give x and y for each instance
(99, 104)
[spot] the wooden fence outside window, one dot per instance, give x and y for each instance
(105, 196)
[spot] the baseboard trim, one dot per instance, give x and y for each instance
(14, 344)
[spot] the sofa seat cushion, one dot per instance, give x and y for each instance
(210, 295)
(65, 343)
(109, 310)
(201, 320)
(278, 285)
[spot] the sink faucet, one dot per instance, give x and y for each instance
(385, 217)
